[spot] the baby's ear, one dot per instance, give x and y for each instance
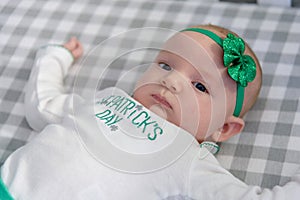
(231, 127)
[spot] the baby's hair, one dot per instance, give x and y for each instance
(253, 88)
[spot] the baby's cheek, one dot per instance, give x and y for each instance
(140, 96)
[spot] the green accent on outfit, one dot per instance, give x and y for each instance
(4, 194)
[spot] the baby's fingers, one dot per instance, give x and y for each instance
(75, 47)
(71, 44)
(78, 50)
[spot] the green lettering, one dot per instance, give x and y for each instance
(144, 122)
(116, 119)
(129, 106)
(117, 103)
(157, 130)
(131, 114)
(105, 101)
(103, 114)
(133, 121)
(113, 100)
(108, 118)
(124, 102)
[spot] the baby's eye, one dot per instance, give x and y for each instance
(165, 66)
(200, 87)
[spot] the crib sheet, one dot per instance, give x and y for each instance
(266, 153)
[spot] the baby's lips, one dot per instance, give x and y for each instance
(162, 100)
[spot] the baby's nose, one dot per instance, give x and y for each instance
(173, 82)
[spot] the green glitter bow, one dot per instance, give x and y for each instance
(241, 68)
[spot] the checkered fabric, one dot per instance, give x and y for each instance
(266, 153)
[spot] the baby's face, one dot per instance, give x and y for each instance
(188, 85)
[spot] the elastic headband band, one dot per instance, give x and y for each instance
(241, 68)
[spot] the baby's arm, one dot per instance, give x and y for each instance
(208, 180)
(46, 101)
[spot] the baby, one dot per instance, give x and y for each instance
(151, 146)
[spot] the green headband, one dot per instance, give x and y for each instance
(241, 68)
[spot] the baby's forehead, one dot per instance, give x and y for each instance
(195, 48)
(199, 53)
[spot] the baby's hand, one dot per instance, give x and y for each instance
(75, 47)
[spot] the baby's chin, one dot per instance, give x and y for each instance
(159, 110)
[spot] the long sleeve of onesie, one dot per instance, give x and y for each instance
(45, 98)
(218, 183)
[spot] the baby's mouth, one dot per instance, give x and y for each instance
(161, 100)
